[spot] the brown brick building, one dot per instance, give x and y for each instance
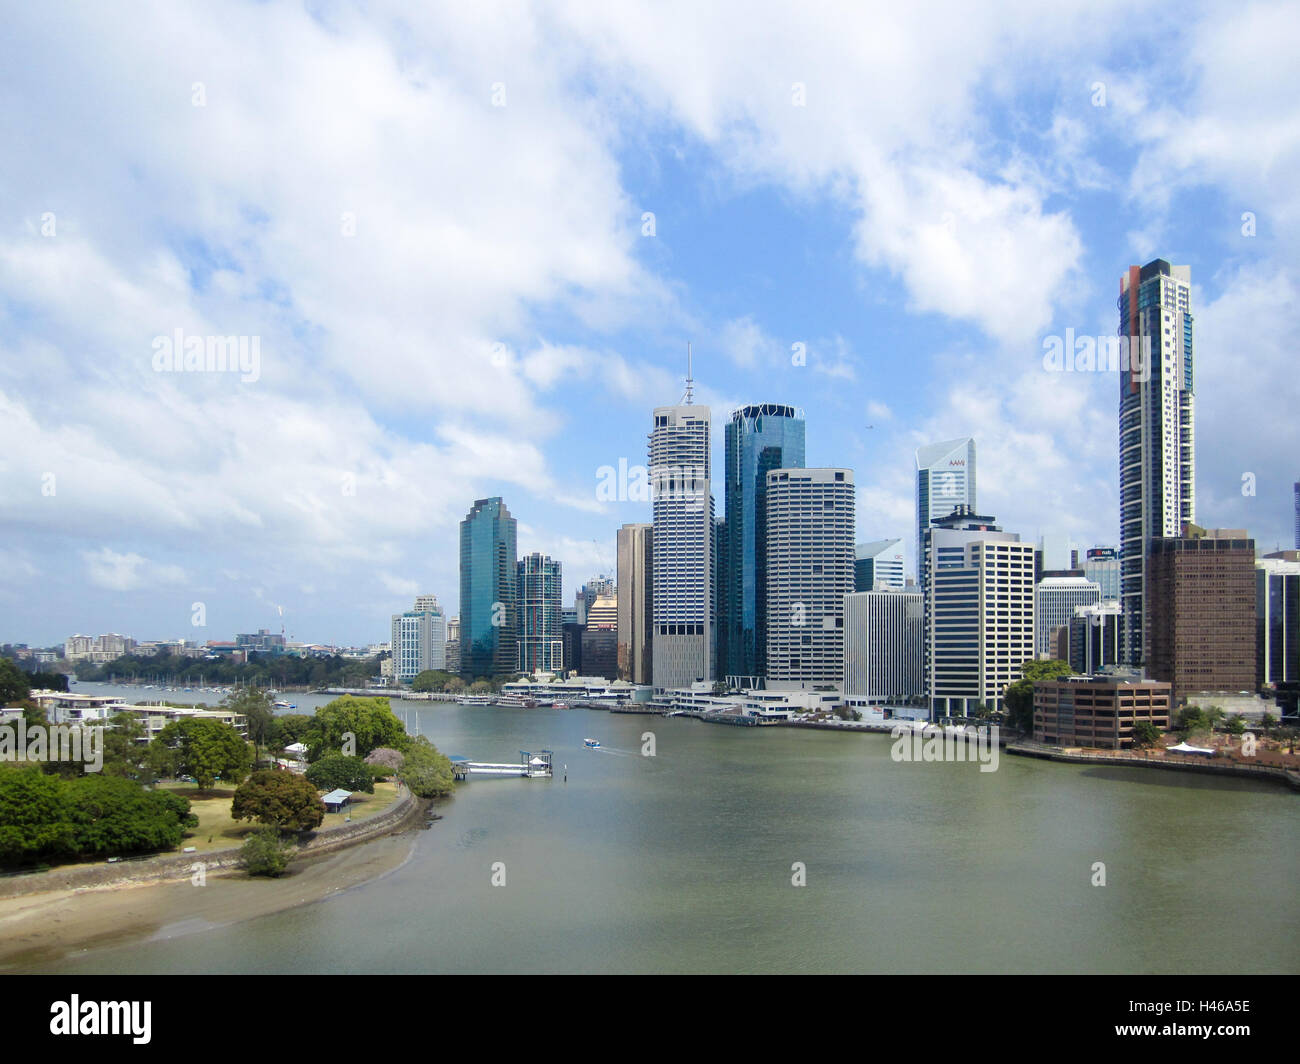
(1200, 611)
(1097, 710)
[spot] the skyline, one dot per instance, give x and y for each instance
(481, 333)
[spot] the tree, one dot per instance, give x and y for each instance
(431, 680)
(34, 815)
(14, 685)
(1145, 734)
(1268, 721)
(206, 749)
(1235, 725)
(113, 815)
(124, 755)
(339, 771)
(264, 853)
(281, 799)
(1019, 696)
(455, 685)
(368, 721)
(385, 757)
(293, 728)
(257, 708)
(426, 772)
(1192, 719)
(480, 687)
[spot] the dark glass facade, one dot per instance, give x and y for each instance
(489, 643)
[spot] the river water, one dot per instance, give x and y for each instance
(683, 862)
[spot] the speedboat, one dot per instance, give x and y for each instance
(591, 742)
(285, 705)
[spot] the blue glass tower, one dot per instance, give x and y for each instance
(489, 644)
(758, 439)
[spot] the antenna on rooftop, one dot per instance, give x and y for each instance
(689, 397)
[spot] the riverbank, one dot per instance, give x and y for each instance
(1213, 767)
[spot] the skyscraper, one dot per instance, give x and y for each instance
(1297, 515)
(1157, 429)
(879, 565)
(758, 439)
(1277, 618)
(945, 479)
(419, 639)
(633, 547)
(883, 659)
(600, 639)
(1101, 566)
(683, 544)
(809, 567)
(488, 599)
(541, 630)
(1055, 598)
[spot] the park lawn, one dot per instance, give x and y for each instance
(217, 829)
(364, 805)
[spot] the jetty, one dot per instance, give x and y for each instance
(532, 765)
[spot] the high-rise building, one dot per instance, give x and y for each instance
(489, 626)
(600, 639)
(979, 612)
(541, 630)
(452, 650)
(1055, 599)
(878, 566)
(758, 439)
(586, 595)
(1200, 605)
(1157, 429)
(883, 645)
(419, 639)
(633, 547)
(1101, 566)
(945, 480)
(1297, 515)
(1277, 618)
(682, 546)
(809, 569)
(1094, 637)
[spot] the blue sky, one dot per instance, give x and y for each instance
(432, 222)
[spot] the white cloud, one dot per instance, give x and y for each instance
(108, 569)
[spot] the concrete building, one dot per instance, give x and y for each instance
(1157, 429)
(635, 616)
(683, 601)
(884, 660)
(1277, 618)
(809, 570)
(600, 639)
(262, 641)
(878, 566)
(945, 480)
(419, 639)
(541, 631)
(1200, 618)
(1055, 599)
(1097, 711)
(1094, 637)
(979, 612)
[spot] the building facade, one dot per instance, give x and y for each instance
(600, 639)
(488, 603)
(1157, 429)
(541, 629)
(878, 566)
(809, 570)
(682, 547)
(945, 480)
(1094, 639)
(1277, 618)
(1097, 711)
(883, 645)
(419, 639)
(1201, 612)
(634, 549)
(758, 439)
(1055, 599)
(1101, 566)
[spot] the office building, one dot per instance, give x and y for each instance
(878, 566)
(979, 612)
(600, 639)
(419, 639)
(1201, 612)
(1097, 711)
(1055, 598)
(635, 583)
(1277, 618)
(1101, 566)
(541, 631)
(883, 645)
(758, 439)
(809, 570)
(683, 546)
(489, 626)
(1157, 429)
(1094, 637)
(945, 480)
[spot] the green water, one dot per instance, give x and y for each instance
(682, 863)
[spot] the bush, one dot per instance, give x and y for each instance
(281, 799)
(339, 770)
(426, 771)
(264, 853)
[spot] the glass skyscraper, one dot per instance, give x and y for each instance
(488, 595)
(758, 439)
(541, 628)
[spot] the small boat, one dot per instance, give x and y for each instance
(591, 742)
(286, 705)
(560, 705)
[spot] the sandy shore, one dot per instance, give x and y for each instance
(39, 928)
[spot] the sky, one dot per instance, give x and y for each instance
(468, 244)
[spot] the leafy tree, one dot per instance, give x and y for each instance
(426, 772)
(256, 706)
(480, 687)
(264, 853)
(1019, 696)
(281, 799)
(34, 817)
(385, 757)
(293, 728)
(1268, 721)
(113, 815)
(369, 721)
(431, 680)
(1192, 719)
(202, 748)
(1145, 734)
(334, 771)
(1235, 725)
(14, 685)
(455, 685)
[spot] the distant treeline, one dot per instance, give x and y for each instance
(261, 670)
